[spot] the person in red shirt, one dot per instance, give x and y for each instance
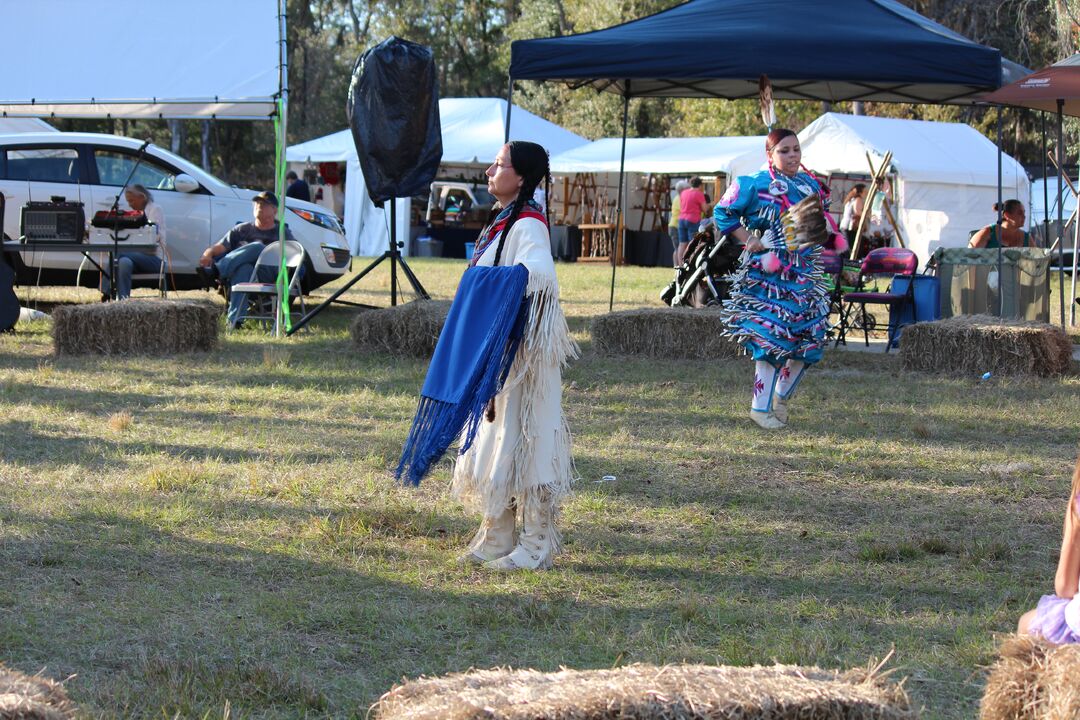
(692, 205)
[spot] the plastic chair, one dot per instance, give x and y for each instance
(831, 267)
(880, 262)
(261, 296)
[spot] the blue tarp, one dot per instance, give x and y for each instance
(829, 50)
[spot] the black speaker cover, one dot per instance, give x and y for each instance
(393, 111)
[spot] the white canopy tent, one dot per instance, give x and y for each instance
(107, 58)
(148, 60)
(472, 133)
(23, 125)
(946, 180)
(666, 156)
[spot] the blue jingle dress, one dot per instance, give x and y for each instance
(782, 315)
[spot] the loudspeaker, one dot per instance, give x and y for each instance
(393, 111)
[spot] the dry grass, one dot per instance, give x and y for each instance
(242, 542)
(980, 343)
(683, 333)
(411, 329)
(120, 421)
(648, 692)
(32, 697)
(135, 327)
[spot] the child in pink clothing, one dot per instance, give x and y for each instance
(1057, 617)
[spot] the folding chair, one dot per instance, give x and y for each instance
(261, 296)
(159, 277)
(880, 262)
(831, 266)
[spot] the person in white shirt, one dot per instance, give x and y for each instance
(129, 262)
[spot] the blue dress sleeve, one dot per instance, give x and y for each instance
(738, 202)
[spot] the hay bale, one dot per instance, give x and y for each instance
(679, 332)
(411, 329)
(974, 344)
(32, 697)
(136, 327)
(643, 692)
(1032, 680)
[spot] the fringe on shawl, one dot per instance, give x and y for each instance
(437, 423)
(545, 348)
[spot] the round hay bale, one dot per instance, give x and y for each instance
(643, 692)
(974, 344)
(32, 697)
(136, 327)
(679, 332)
(411, 329)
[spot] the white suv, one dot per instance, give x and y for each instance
(199, 209)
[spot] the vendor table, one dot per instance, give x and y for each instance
(110, 249)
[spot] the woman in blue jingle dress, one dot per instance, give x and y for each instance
(779, 304)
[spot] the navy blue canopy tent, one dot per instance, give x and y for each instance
(831, 50)
(827, 50)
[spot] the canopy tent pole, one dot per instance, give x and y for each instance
(282, 320)
(509, 106)
(1000, 210)
(1061, 219)
(619, 198)
(1046, 188)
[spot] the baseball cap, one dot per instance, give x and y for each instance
(267, 197)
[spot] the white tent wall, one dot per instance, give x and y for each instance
(928, 225)
(670, 156)
(367, 227)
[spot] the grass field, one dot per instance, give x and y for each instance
(193, 533)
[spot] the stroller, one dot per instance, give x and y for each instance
(700, 280)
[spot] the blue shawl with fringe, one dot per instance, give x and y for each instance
(472, 359)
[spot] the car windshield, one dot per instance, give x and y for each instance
(190, 168)
(115, 168)
(483, 197)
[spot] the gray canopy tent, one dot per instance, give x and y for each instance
(844, 50)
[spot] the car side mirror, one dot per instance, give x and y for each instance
(185, 183)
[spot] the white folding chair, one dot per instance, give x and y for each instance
(261, 296)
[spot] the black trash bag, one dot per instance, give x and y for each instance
(393, 111)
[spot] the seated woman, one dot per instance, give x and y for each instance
(1010, 234)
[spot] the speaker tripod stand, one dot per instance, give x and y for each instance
(393, 254)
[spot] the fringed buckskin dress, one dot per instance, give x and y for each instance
(522, 459)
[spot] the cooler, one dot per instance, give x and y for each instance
(927, 295)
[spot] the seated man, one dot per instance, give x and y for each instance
(232, 259)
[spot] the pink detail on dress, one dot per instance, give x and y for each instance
(785, 372)
(759, 385)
